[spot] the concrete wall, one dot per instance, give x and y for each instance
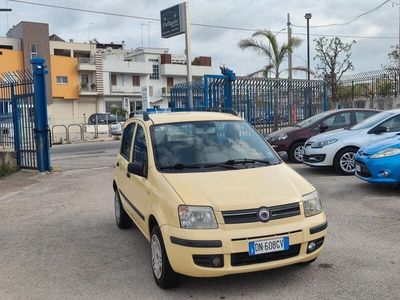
(7, 159)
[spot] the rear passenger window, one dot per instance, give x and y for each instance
(362, 115)
(338, 120)
(140, 147)
(127, 141)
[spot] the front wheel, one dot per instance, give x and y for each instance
(164, 276)
(296, 152)
(344, 161)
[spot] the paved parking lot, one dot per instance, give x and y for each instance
(58, 239)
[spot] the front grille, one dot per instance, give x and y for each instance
(364, 170)
(251, 215)
(243, 258)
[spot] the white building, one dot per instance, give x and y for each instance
(143, 77)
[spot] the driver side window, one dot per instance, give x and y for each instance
(338, 120)
(392, 125)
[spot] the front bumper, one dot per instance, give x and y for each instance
(318, 157)
(379, 170)
(232, 243)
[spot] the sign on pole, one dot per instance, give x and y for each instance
(173, 21)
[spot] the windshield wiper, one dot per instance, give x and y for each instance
(180, 166)
(243, 161)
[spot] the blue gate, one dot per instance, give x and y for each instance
(268, 104)
(23, 116)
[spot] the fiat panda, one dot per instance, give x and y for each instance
(212, 197)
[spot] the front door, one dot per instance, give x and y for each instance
(139, 189)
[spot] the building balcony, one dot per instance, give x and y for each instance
(86, 64)
(180, 70)
(88, 89)
(117, 89)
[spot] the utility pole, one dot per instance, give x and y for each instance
(308, 17)
(289, 31)
(188, 55)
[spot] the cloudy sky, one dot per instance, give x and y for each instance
(370, 52)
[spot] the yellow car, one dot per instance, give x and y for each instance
(212, 197)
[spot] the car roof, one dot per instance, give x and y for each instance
(351, 109)
(177, 117)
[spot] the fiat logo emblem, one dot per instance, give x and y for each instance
(263, 214)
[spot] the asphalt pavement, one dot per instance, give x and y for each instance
(58, 239)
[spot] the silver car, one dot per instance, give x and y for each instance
(337, 148)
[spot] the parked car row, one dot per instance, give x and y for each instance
(370, 149)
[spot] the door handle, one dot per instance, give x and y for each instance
(128, 175)
(117, 164)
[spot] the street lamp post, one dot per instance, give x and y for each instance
(308, 17)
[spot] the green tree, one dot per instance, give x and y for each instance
(333, 57)
(394, 58)
(265, 43)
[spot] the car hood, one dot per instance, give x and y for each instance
(337, 134)
(392, 142)
(240, 189)
(286, 130)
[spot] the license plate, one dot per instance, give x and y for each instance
(268, 246)
(358, 168)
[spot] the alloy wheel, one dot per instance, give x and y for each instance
(347, 162)
(298, 153)
(156, 256)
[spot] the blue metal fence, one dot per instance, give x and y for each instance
(268, 104)
(23, 116)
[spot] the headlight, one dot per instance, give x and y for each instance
(280, 137)
(197, 217)
(386, 153)
(323, 143)
(311, 203)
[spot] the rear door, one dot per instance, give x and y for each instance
(123, 159)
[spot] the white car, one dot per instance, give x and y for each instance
(337, 148)
(116, 129)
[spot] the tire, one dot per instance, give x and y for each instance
(121, 217)
(344, 161)
(296, 152)
(163, 274)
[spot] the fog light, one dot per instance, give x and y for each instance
(311, 247)
(216, 261)
(383, 173)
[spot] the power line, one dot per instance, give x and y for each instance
(193, 24)
(351, 20)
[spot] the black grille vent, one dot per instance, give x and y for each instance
(251, 215)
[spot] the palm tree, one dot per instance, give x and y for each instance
(272, 51)
(275, 54)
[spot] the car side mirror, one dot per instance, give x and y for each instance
(323, 128)
(379, 129)
(283, 155)
(137, 168)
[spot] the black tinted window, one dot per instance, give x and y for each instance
(127, 141)
(140, 147)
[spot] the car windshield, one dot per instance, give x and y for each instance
(313, 119)
(372, 121)
(209, 146)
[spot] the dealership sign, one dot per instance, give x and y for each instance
(173, 21)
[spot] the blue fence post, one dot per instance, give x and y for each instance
(229, 77)
(41, 119)
(325, 104)
(17, 128)
(205, 90)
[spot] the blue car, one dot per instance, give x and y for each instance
(379, 163)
